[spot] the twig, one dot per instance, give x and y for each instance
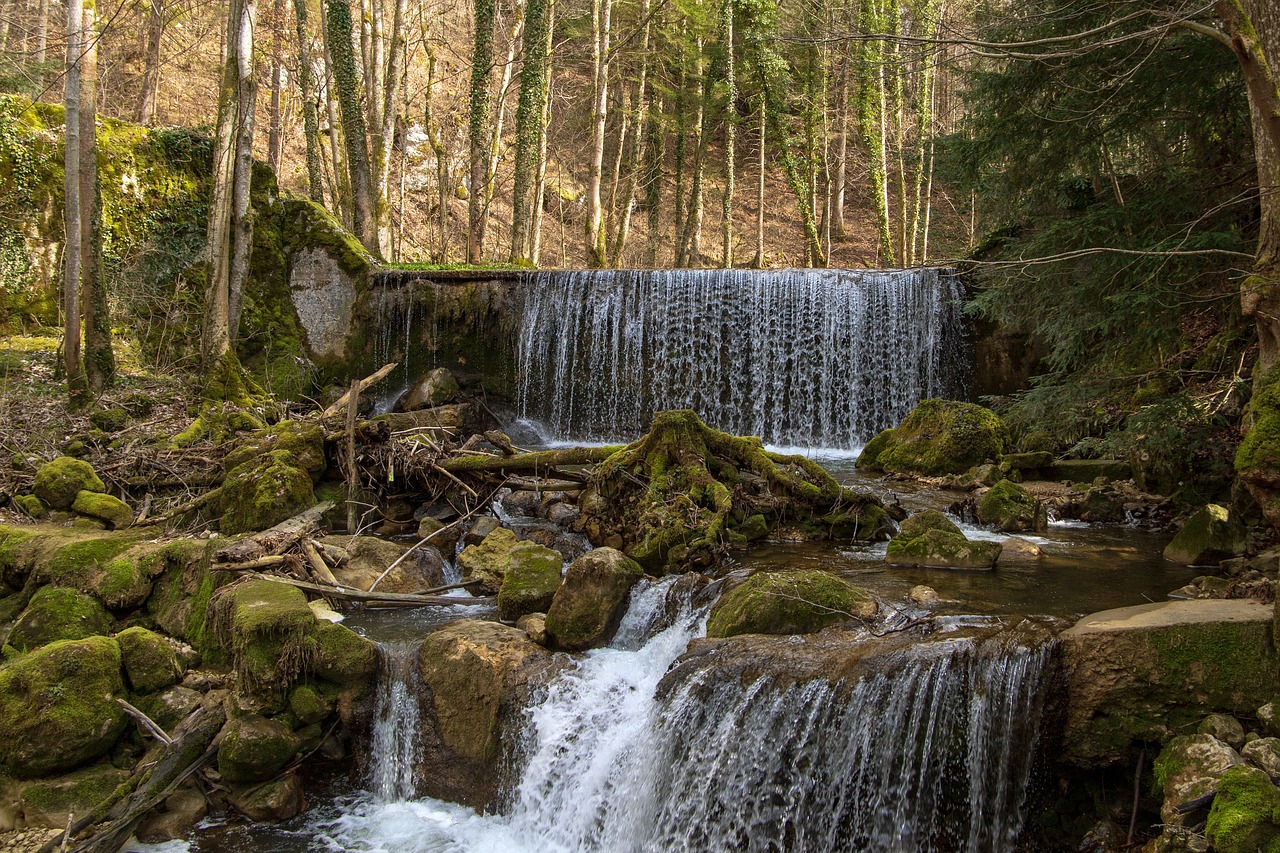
(250, 566)
(147, 723)
(427, 538)
(395, 599)
(181, 510)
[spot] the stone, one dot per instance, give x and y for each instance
(591, 599)
(309, 705)
(1141, 674)
(48, 802)
(116, 513)
(32, 506)
(535, 625)
(57, 613)
(1243, 816)
(1008, 507)
(941, 549)
(435, 389)
(925, 520)
(1187, 769)
(921, 594)
(480, 529)
(1225, 728)
(58, 706)
(530, 583)
(57, 483)
(254, 748)
(1019, 548)
(109, 420)
(170, 707)
(175, 819)
(1209, 536)
(276, 801)
(370, 556)
(1089, 470)
(1269, 719)
(938, 437)
(478, 676)
(323, 295)
(796, 602)
(264, 492)
(150, 660)
(343, 656)
(302, 440)
(1100, 504)
(1264, 754)
(1027, 462)
(487, 561)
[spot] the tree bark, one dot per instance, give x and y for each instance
(637, 148)
(310, 120)
(601, 11)
(71, 270)
(275, 131)
(151, 72)
(479, 126)
(530, 109)
(730, 129)
(99, 360)
(364, 214)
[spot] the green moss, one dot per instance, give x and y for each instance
(57, 613)
(343, 656)
(1245, 816)
(109, 420)
(1216, 659)
(107, 568)
(264, 492)
(1009, 507)
(150, 661)
(798, 602)
(75, 793)
(531, 580)
(269, 631)
(32, 506)
(58, 482)
(942, 549)
(254, 749)
(938, 437)
(309, 705)
(115, 512)
(303, 440)
(929, 519)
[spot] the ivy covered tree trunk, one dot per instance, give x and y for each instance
(872, 119)
(99, 360)
(364, 215)
(534, 70)
(310, 121)
(478, 126)
(151, 66)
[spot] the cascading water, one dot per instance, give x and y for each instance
(813, 358)
(394, 746)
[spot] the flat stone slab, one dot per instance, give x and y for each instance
(1164, 614)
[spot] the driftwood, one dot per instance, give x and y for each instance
(147, 723)
(389, 599)
(251, 565)
(445, 419)
(181, 510)
(370, 380)
(537, 484)
(538, 461)
(276, 539)
(318, 566)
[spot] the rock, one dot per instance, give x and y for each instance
(435, 389)
(1019, 548)
(591, 599)
(263, 492)
(170, 707)
(1008, 507)
(369, 557)
(976, 477)
(116, 570)
(1027, 463)
(1089, 470)
(1141, 674)
(1187, 769)
(302, 440)
(58, 706)
(487, 561)
(175, 819)
(938, 437)
(1225, 728)
(115, 512)
(1104, 837)
(942, 549)
(49, 801)
(57, 483)
(1243, 816)
(32, 506)
(57, 613)
(254, 748)
(150, 660)
(566, 513)
(1100, 504)
(309, 705)
(799, 602)
(343, 656)
(478, 676)
(109, 420)
(929, 519)
(279, 800)
(535, 625)
(480, 529)
(323, 611)
(530, 583)
(1269, 719)
(1209, 536)
(266, 626)
(922, 594)
(1264, 754)
(444, 537)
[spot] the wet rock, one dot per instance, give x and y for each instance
(1008, 507)
(1188, 770)
(487, 561)
(48, 802)
(1209, 536)
(1019, 548)
(1264, 754)
(57, 613)
(922, 594)
(1177, 839)
(799, 602)
(309, 705)
(1243, 817)
(106, 508)
(254, 748)
(175, 819)
(938, 437)
(438, 387)
(57, 483)
(1269, 719)
(535, 625)
(1105, 837)
(444, 537)
(1225, 728)
(1089, 470)
(480, 529)
(369, 557)
(343, 656)
(150, 660)
(521, 502)
(530, 582)
(1101, 504)
(926, 520)
(591, 599)
(272, 802)
(563, 513)
(929, 538)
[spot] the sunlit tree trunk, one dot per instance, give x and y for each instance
(275, 130)
(99, 360)
(73, 248)
(636, 151)
(363, 209)
(151, 67)
(310, 121)
(530, 109)
(758, 261)
(730, 131)
(479, 126)
(600, 19)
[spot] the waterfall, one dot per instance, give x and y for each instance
(814, 358)
(394, 744)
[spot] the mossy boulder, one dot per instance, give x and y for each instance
(1187, 769)
(32, 506)
(939, 437)
(116, 513)
(309, 705)
(58, 706)
(302, 440)
(487, 561)
(254, 748)
(1211, 535)
(1010, 508)
(169, 707)
(272, 802)
(180, 595)
(931, 539)
(531, 581)
(49, 802)
(438, 387)
(150, 660)
(1245, 817)
(263, 492)
(58, 613)
(343, 656)
(267, 627)
(109, 420)
(1257, 459)
(924, 521)
(57, 483)
(800, 602)
(591, 600)
(117, 570)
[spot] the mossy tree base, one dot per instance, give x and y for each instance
(684, 494)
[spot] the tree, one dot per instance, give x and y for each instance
(601, 11)
(310, 121)
(72, 254)
(479, 126)
(535, 67)
(364, 210)
(99, 360)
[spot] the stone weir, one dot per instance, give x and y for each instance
(822, 358)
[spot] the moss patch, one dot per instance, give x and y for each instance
(531, 581)
(1009, 507)
(150, 661)
(115, 512)
(1245, 816)
(57, 613)
(254, 749)
(788, 603)
(264, 492)
(58, 482)
(938, 437)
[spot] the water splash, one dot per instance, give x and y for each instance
(395, 743)
(809, 358)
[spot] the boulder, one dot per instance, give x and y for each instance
(1100, 504)
(169, 707)
(480, 529)
(435, 389)
(266, 626)
(487, 561)
(57, 483)
(535, 625)
(254, 748)
(926, 520)
(1019, 548)
(150, 660)
(1209, 536)
(1269, 719)
(1027, 463)
(1008, 507)
(925, 595)
(58, 706)
(56, 613)
(1187, 770)
(1244, 815)
(343, 656)
(117, 570)
(175, 818)
(531, 580)
(1225, 728)
(309, 705)
(50, 801)
(1264, 754)
(32, 506)
(303, 441)
(591, 599)
(273, 802)
(938, 437)
(799, 602)
(1141, 674)
(263, 492)
(938, 548)
(1089, 470)
(107, 508)
(478, 677)
(369, 557)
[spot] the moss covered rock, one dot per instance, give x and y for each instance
(109, 420)
(591, 600)
(531, 581)
(263, 492)
(58, 482)
(150, 660)
(302, 440)
(108, 508)
(938, 437)
(343, 656)
(1187, 769)
(931, 539)
(267, 627)
(309, 705)
(50, 802)
(799, 602)
(117, 570)
(275, 801)
(254, 749)
(1245, 816)
(487, 562)
(435, 389)
(924, 521)
(32, 506)
(58, 708)
(1209, 536)
(58, 613)
(1009, 507)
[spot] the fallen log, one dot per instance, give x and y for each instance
(539, 461)
(370, 380)
(251, 565)
(276, 539)
(389, 599)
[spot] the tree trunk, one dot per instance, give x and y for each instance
(340, 186)
(310, 121)
(42, 33)
(99, 360)
(758, 261)
(151, 72)
(364, 215)
(636, 152)
(438, 149)
(500, 115)
(600, 25)
(530, 109)
(655, 154)
(394, 80)
(275, 131)
(72, 258)
(479, 126)
(730, 129)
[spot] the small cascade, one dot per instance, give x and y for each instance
(394, 745)
(809, 358)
